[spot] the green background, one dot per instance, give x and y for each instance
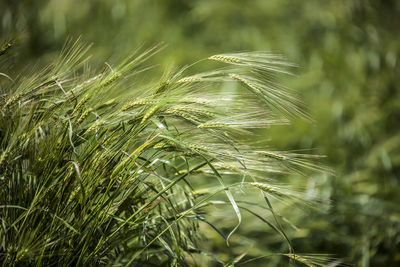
(347, 52)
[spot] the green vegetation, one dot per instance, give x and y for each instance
(125, 117)
(97, 171)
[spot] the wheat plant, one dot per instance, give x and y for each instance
(97, 167)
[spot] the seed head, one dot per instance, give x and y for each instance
(212, 125)
(95, 126)
(246, 82)
(226, 59)
(267, 188)
(273, 155)
(139, 102)
(149, 113)
(13, 100)
(189, 80)
(4, 155)
(84, 115)
(115, 76)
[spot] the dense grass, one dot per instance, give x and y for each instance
(97, 165)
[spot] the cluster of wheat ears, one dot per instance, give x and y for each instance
(96, 167)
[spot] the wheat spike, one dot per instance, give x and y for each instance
(138, 102)
(149, 113)
(81, 103)
(246, 82)
(189, 80)
(226, 59)
(188, 109)
(212, 124)
(115, 76)
(273, 155)
(299, 259)
(183, 114)
(95, 126)
(13, 100)
(84, 115)
(267, 188)
(4, 156)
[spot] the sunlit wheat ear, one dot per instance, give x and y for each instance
(190, 113)
(106, 104)
(257, 71)
(98, 124)
(260, 60)
(13, 100)
(268, 189)
(139, 102)
(293, 161)
(81, 103)
(252, 86)
(84, 115)
(189, 80)
(191, 110)
(272, 155)
(110, 80)
(198, 100)
(315, 260)
(226, 58)
(3, 156)
(232, 168)
(149, 113)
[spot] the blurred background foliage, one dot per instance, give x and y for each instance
(348, 76)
